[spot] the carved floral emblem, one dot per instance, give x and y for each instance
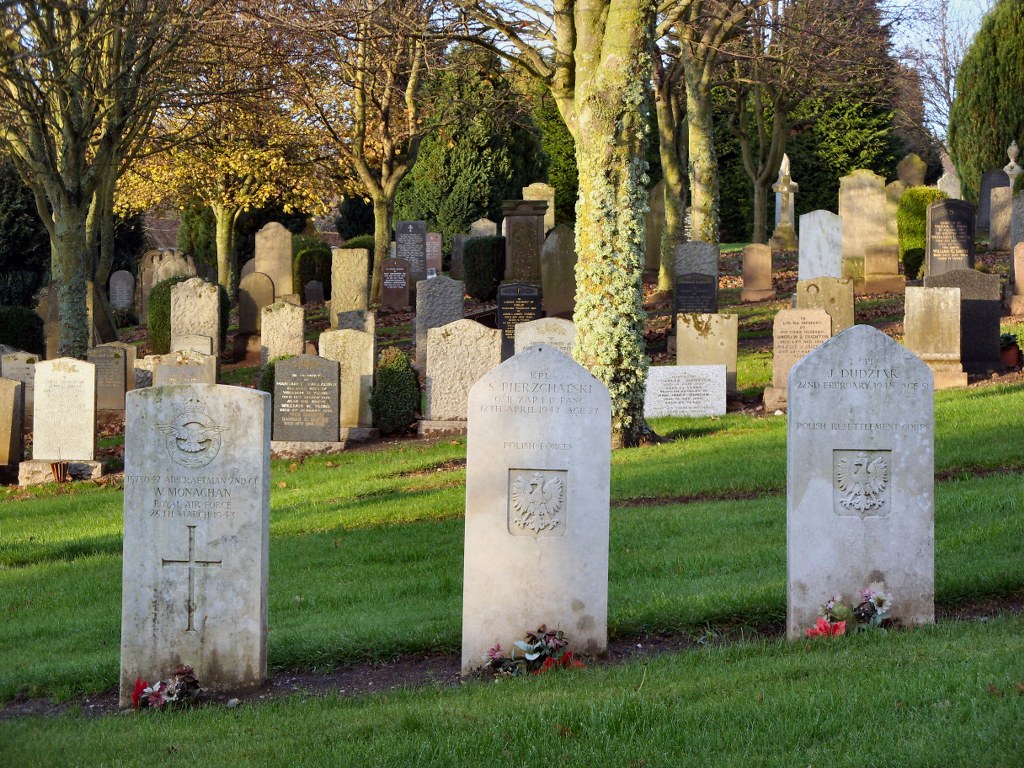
(537, 502)
(861, 482)
(193, 438)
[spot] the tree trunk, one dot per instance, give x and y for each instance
(224, 217)
(105, 251)
(382, 211)
(674, 153)
(69, 257)
(703, 163)
(760, 233)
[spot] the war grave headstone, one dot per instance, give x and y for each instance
(757, 273)
(155, 267)
(655, 226)
(795, 333)
(556, 332)
(558, 271)
(483, 228)
(395, 284)
(457, 270)
(305, 401)
(949, 237)
(122, 290)
(541, 191)
(1001, 212)
(111, 364)
(438, 302)
(196, 536)
(833, 294)
(785, 189)
(517, 303)
(411, 240)
(459, 354)
(990, 180)
(863, 209)
(282, 331)
(882, 269)
(185, 366)
(355, 353)
(1016, 303)
(931, 327)
(12, 411)
(313, 292)
(64, 421)
(860, 479)
(685, 390)
(255, 292)
(537, 502)
(980, 311)
(274, 257)
(708, 339)
(434, 254)
(195, 311)
(524, 237)
(349, 288)
(821, 245)
(21, 366)
(192, 342)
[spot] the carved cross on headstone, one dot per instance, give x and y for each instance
(192, 562)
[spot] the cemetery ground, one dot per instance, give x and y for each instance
(365, 604)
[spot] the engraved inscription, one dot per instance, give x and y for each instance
(191, 563)
(861, 483)
(536, 502)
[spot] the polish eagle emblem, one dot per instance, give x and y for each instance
(863, 480)
(537, 501)
(193, 438)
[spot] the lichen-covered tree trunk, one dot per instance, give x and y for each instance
(703, 163)
(70, 260)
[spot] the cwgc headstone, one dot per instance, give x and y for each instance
(122, 290)
(708, 339)
(21, 366)
(556, 332)
(438, 302)
(460, 353)
(255, 292)
(685, 390)
(349, 289)
(12, 413)
(110, 365)
(863, 209)
(182, 367)
(1000, 215)
(434, 254)
(306, 400)
(821, 245)
(395, 284)
(524, 238)
(354, 351)
(795, 333)
(517, 303)
(313, 291)
(655, 226)
(247, 269)
(411, 240)
(545, 192)
(757, 273)
(558, 271)
(282, 331)
(860, 485)
(274, 257)
(195, 310)
(457, 270)
(192, 342)
(980, 311)
(990, 180)
(537, 502)
(64, 418)
(483, 228)
(882, 269)
(949, 237)
(129, 362)
(832, 294)
(931, 326)
(196, 536)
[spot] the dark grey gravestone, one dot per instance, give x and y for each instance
(696, 292)
(411, 245)
(980, 310)
(517, 303)
(395, 283)
(949, 237)
(306, 399)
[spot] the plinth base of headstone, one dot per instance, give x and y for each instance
(884, 284)
(752, 295)
(39, 471)
(1016, 305)
(440, 428)
(947, 375)
(774, 399)
(359, 434)
(294, 449)
(784, 239)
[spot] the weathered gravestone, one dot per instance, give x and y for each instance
(696, 282)
(395, 284)
(795, 333)
(833, 294)
(313, 292)
(685, 390)
(274, 257)
(411, 245)
(860, 485)
(196, 536)
(558, 271)
(155, 267)
(483, 228)
(21, 366)
(863, 209)
(434, 253)
(130, 352)
(1000, 214)
(537, 499)
(110, 365)
(708, 339)
(980, 311)
(931, 327)
(282, 331)
(247, 269)
(459, 354)
(993, 179)
(195, 310)
(185, 366)
(821, 245)
(882, 269)
(255, 292)
(306, 400)
(12, 412)
(438, 302)
(524, 237)
(354, 352)
(949, 183)
(349, 271)
(122, 290)
(517, 303)
(949, 237)
(757, 273)
(556, 332)
(545, 192)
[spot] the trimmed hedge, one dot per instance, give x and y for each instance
(21, 327)
(483, 263)
(911, 221)
(395, 399)
(158, 319)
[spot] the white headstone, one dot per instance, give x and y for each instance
(21, 366)
(685, 390)
(64, 418)
(821, 245)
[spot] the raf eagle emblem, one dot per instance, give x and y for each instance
(193, 438)
(537, 502)
(863, 482)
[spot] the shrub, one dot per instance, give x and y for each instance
(266, 383)
(911, 220)
(21, 327)
(396, 393)
(312, 262)
(158, 321)
(483, 262)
